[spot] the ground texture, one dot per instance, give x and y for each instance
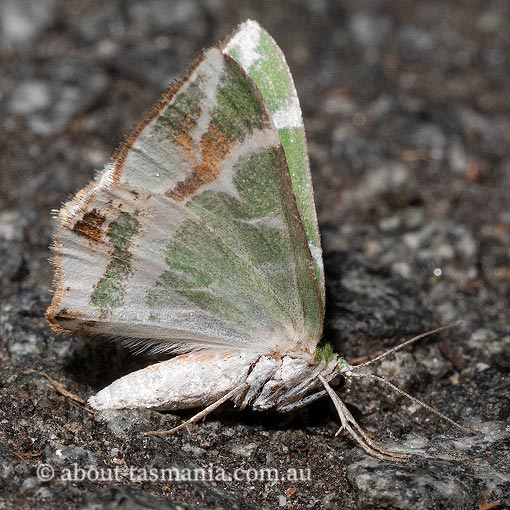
(407, 110)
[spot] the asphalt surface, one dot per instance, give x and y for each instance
(407, 111)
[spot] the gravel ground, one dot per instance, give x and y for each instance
(407, 110)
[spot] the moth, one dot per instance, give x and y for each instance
(200, 239)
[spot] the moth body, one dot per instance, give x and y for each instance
(183, 382)
(201, 378)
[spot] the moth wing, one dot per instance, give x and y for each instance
(191, 237)
(263, 61)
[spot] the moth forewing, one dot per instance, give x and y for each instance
(194, 237)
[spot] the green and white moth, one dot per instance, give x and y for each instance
(200, 238)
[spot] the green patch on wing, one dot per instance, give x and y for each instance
(242, 259)
(255, 50)
(109, 291)
(294, 144)
(258, 183)
(184, 111)
(238, 111)
(263, 188)
(271, 75)
(214, 260)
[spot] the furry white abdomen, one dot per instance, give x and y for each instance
(200, 378)
(189, 380)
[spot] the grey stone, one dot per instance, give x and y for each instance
(443, 242)
(458, 157)
(195, 450)
(478, 123)
(12, 225)
(430, 137)
(244, 450)
(391, 179)
(352, 147)
(406, 488)
(100, 22)
(21, 21)
(417, 39)
(185, 15)
(69, 98)
(482, 335)
(399, 369)
(388, 178)
(44, 493)
(329, 501)
(368, 29)
(25, 346)
(491, 21)
(434, 361)
(30, 96)
(58, 454)
(126, 499)
(396, 108)
(123, 423)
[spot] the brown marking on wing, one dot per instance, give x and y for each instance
(66, 314)
(184, 139)
(85, 195)
(90, 225)
(61, 320)
(205, 357)
(121, 154)
(214, 146)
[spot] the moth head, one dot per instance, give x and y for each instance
(339, 369)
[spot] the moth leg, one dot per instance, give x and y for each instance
(302, 402)
(369, 441)
(200, 415)
(362, 439)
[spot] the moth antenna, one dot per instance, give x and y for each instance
(403, 344)
(413, 399)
